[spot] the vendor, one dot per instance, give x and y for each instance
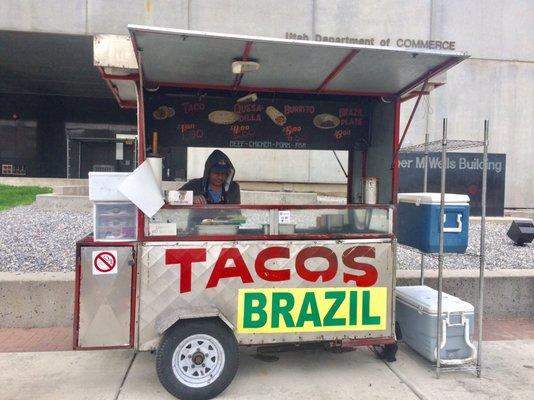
(217, 185)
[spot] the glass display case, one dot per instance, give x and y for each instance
(232, 222)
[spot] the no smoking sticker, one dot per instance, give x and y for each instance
(104, 262)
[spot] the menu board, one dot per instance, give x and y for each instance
(267, 123)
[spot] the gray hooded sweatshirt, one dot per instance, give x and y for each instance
(230, 193)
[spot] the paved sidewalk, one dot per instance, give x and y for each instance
(520, 329)
(35, 339)
(308, 375)
(508, 371)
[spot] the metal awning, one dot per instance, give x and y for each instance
(184, 58)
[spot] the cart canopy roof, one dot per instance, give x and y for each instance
(184, 58)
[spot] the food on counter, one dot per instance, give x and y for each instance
(228, 220)
(276, 116)
(217, 229)
(222, 117)
(326, 121)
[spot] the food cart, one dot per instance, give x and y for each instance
(195, 282)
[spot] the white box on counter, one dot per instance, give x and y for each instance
(180, 197)
(162, 229)
(103, 186)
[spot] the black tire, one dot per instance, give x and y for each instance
(210, 332)
(386, 352)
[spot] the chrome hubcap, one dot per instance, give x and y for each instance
(198, 360)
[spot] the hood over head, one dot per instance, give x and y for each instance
(218, 161)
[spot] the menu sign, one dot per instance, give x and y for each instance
(267, 123)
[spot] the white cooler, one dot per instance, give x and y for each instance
(416, 314)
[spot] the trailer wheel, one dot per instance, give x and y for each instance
(197, 359)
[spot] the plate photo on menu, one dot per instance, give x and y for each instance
(326, 121)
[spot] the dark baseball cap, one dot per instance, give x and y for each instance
(221, 166)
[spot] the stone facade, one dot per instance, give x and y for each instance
(495, 83)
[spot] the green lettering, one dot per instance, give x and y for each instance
(313, 316)
(353, 307)
(284, 311)
(329, 319)
(367, 318)
(250, 309)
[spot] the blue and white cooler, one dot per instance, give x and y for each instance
(416, 314)
(418, 221)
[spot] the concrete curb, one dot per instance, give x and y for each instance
(36, 300)
(47, 299)
(508, 293)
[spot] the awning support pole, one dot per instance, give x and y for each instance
(115, 91)
(341, 165)
(335, 72)
(410, 119)
(244, 57)
(350, 177)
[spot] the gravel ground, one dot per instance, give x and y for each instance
(34, 240)
(501, 253)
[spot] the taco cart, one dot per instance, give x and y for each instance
(194, 282)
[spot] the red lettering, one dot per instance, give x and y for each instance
(185, 127)
(248, 108)
(269, 274)
(220, 271)
(193, 107)
(184, 258)
(294, 109)
(292, 130)
(316, 252)
(370, 275)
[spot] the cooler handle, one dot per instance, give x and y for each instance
(456, 229)
(457, 361)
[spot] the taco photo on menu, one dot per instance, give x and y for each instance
(163, 112)
(326, 121)
(222, 117)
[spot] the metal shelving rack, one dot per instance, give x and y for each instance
(444, 146)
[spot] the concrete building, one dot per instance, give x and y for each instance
(47, 78)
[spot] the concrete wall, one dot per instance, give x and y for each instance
(47, 299)
(495, 84)
(36, 299)
(508, 294)
(276, 166)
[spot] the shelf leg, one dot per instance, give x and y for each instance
(425, 188)
(441, 244)
(482, 248)
(422, 279)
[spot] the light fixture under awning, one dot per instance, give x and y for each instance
(183, 58)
